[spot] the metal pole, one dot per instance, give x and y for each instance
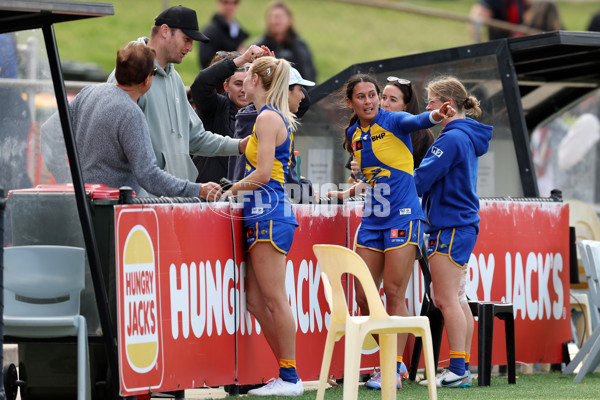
(2, 204)
(108, 333)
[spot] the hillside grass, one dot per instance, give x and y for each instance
(339, 34)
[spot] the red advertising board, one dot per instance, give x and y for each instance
(181, 292)
(189, 250)
(198, 257)
(522, 256)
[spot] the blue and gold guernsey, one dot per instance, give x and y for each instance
(270, 201)
(384, 153)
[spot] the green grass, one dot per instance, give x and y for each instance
(537, 386)
(338, 34)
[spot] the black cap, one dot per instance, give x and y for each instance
(183, 18)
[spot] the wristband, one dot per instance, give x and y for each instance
(433, 121)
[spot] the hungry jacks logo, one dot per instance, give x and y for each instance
(140, 305)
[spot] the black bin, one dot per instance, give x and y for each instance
(47, 215)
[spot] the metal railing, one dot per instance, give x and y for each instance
(477, 23)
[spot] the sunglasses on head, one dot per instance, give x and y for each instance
(402, 82)
(225, 54)
(393, 79)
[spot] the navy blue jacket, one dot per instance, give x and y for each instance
(217, 113)
(447, 176)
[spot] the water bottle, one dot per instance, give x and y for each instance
(298, 160)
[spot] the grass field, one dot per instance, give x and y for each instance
(548, 386)
(338, 34)
(537, 386)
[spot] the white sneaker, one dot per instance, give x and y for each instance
(278, 387)
(449, 379)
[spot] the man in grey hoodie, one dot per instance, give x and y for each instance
(176, 130)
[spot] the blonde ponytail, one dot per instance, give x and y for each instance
(275, 76)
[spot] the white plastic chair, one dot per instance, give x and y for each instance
(42, 286)
(581, 315)
(583, 217)
(582, 300)
(334, 261)
(585, 220)
(589, 353)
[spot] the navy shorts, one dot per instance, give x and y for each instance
(457, 244)
(382, 240)
(279, 234)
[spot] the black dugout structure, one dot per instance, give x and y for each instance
(21, 15)
(521, 83)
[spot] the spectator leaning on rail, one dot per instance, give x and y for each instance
(504, 10)
(175, 129)
(218, 111)
(225, 33)
(111, 133)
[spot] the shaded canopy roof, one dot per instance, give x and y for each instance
(18, 15)
(553, 70)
